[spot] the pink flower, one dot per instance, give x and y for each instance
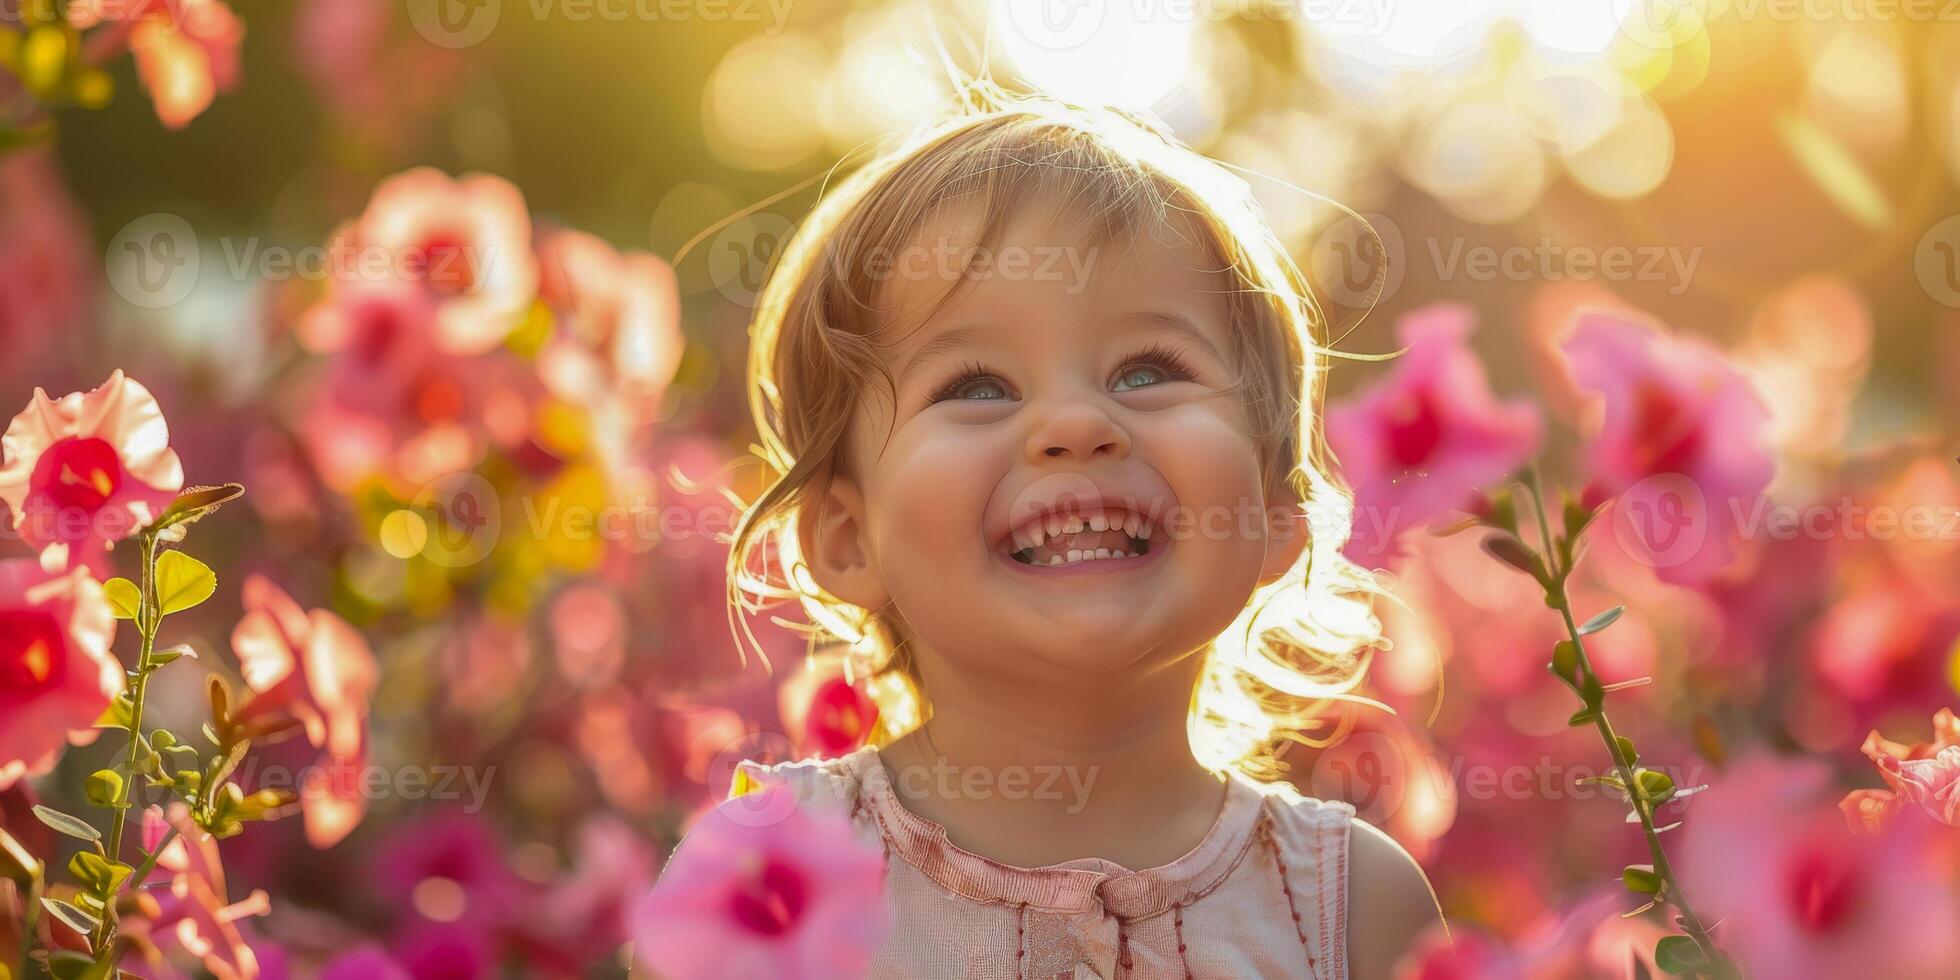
(87, 471)
(465, 242)
(618, 324)
(586, 913)
(186, 50)
(314, 667)
(1682, 440)
(57, 673)
(1926, 773)
(1430, 436)
(195, 911)
(1799, 894)
(762, 887)
(46, 261)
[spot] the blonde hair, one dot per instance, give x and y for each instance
(1302, 642)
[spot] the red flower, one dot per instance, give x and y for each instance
(57, 674)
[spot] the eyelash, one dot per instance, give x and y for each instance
(1157, 355)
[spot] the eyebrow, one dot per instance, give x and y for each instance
(1176, 323)
(946, 341)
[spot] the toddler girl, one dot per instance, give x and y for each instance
(1041, 391)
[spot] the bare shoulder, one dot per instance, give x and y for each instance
(1390, 901)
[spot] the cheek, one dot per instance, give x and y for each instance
(930, 493)
(1209, 460)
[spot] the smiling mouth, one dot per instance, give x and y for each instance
(1101, 534)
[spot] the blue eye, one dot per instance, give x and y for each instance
(978, 389)
(1154, 365)
(975, 383)
(1139, 376)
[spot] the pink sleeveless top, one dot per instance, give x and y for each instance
(1263, 895)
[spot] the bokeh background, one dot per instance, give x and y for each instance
(1772, 191)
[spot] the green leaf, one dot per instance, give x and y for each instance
(104, 787)
(1512, 552)
(1678, 954)
(1641, 878)
(1582, 718)
(68, 964)
(117, 714)
(1565, 660)
(1626, 749)
(183, 582)
(68, 824)
(1602, 620)
(197, 503)
(1656, 786)
(169, 654)
(124, 597)
(72, 915)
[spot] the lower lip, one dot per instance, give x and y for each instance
(1101, 566)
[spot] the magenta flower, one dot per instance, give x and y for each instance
(84, 472)
(57, 673)
(1682, 440)
(1923, 773)
(764, 888)
(1429, 437)
(314, 667)
(1799, 895)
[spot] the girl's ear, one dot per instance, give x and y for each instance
(1288, 532)
(832, 536)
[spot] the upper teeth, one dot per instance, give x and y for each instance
(1035, 532)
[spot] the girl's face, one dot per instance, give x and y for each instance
(1066, 476)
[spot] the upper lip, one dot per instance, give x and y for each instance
(1027, 510)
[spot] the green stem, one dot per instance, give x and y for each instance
(149, 863)
(149, 616)
(1555, 590)
(31, 918)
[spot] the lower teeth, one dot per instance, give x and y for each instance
(1138, 548)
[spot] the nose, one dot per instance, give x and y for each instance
(1077, 430)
